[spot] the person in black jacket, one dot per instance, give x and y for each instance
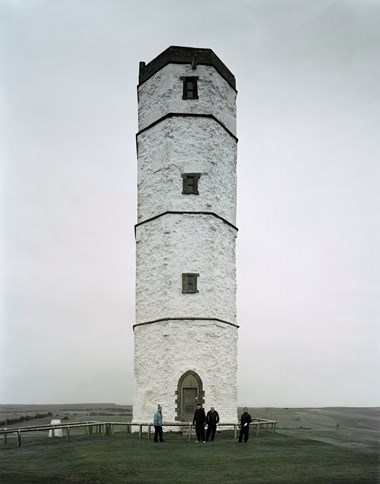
(212, 419)
(200, 420)
(245, 420)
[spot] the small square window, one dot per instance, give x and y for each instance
(190, 183)
(190, 87)
(189, 283)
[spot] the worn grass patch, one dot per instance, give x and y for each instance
(124, 458)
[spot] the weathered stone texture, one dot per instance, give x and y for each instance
(175, 332)
(179, 243)
(186, 145)
(162, 94)
(164, 352)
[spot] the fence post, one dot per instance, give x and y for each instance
(5, 438)
(18, 438)
(258, 428)
(67, 433)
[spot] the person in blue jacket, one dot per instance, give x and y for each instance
(157, 420)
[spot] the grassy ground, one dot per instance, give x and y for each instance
(309, 447)
(126, 459)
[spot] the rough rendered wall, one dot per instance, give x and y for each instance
(174, 244)
(186, 145)
(175, 332)
(182, 346)
(162, 94)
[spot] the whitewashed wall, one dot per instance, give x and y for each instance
(163, 352)
(162, 94)
(186, 145)
(172, 244)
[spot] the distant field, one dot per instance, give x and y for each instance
(321, 445)
(66, 412)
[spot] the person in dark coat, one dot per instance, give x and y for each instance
(245, 420)
(212, 420)
(200, 421)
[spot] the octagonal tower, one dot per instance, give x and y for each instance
(185, 331)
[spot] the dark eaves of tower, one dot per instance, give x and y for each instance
(185, 55)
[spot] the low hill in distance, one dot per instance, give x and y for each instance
(287, 418)
(40, 414)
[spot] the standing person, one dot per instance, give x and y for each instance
(200, 420)
(245, 420)
(212, 419)
(157, 420)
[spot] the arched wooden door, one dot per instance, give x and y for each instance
(189, 393)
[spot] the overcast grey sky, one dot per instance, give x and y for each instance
(308, 77)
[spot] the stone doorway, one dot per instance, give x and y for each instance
(189, 393)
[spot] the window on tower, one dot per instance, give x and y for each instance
(190, 87)
(189, 283)
(190, 183)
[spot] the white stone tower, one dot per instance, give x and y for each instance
(186, 332)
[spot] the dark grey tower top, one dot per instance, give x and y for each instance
(185, 55)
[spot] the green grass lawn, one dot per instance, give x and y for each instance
(288, 458)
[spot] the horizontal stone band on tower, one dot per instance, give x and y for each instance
(185, 319)
(174, 212)
(187, 115)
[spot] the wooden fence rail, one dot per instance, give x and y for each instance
(108, 428)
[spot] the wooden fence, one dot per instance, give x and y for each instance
(108, 428)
